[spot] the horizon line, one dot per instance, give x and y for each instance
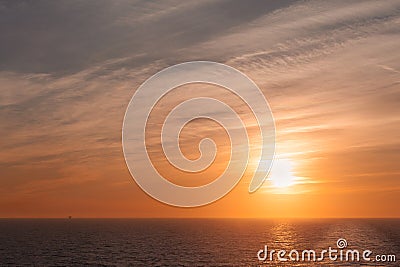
(217, 218)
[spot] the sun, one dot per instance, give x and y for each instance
(281, 174)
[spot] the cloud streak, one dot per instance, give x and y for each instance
(330, 71)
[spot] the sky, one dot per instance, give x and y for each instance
(330, 71)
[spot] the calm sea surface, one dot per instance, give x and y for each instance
(188, 242)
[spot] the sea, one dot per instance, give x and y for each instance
(198, 242)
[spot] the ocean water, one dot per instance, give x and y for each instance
(189, 242)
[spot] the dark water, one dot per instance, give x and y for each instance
(187, 242)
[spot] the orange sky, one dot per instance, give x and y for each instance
(330, 72)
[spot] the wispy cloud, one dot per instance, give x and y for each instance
(330, 70)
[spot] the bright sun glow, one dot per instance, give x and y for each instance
(281, 173)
